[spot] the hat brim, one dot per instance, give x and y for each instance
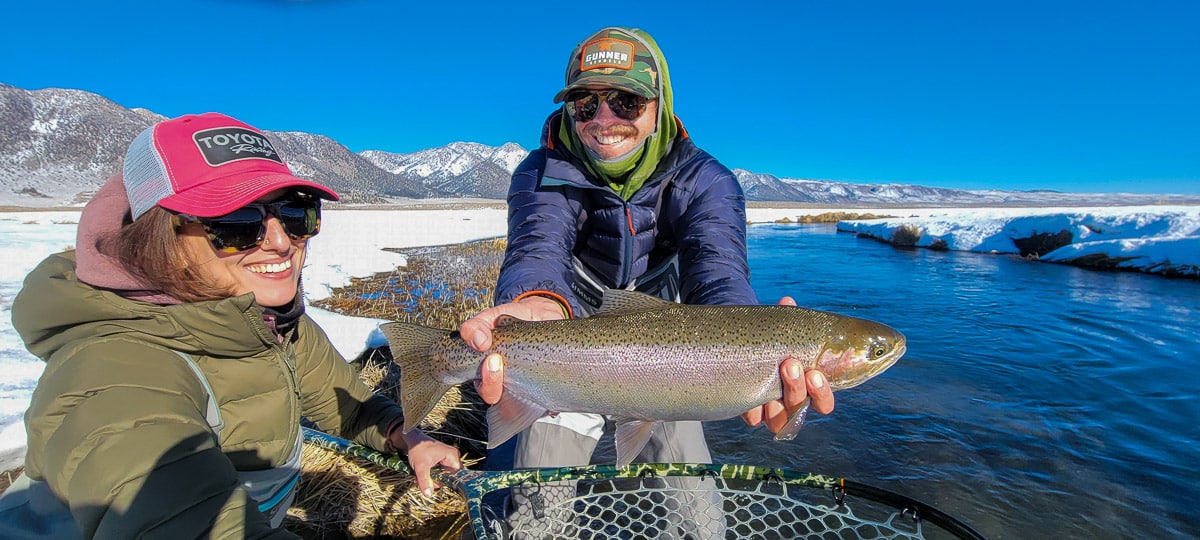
(224, 195)
(618, 82)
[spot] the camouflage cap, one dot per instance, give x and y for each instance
(614, 58)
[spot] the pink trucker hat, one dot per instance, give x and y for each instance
(205, 165)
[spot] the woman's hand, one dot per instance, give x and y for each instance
(423, 454)
(796, 388)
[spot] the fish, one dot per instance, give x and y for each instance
(642, 360)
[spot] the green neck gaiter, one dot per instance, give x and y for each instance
(619, 167)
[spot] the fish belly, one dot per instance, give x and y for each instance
(658, 383)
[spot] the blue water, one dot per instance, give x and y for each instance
(1035, 400)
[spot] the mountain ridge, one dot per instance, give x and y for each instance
(58, 146)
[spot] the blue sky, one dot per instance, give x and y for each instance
(1098, 95)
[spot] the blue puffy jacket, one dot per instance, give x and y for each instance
(692, 207)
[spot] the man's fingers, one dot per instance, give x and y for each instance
(819, 391)
(491, 380)
(477, 331)
(776, 416)
(794, 392)
(787, 301)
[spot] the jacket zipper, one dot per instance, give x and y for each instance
(283, 354)
(626, 263)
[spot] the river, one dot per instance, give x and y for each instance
(1035, 401)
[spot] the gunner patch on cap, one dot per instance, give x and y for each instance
(607, 53)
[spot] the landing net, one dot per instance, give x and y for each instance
(673, 500)
(693, 501)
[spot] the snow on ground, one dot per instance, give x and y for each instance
(1164, 240)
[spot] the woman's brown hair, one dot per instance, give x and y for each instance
(149, 248)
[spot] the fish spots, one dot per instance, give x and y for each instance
(652, 360)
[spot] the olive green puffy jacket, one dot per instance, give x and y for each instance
(117, 423)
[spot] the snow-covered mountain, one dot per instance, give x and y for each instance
(58, 146)
(355, 178)
(458, 167)
(766, 187)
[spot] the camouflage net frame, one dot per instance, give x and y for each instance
(394, 462)
(679, 500)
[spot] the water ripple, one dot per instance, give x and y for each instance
(1036, 400)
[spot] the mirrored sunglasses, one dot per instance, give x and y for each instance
(584, 105)
(246, 227)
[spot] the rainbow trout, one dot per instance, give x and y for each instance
(642, 360)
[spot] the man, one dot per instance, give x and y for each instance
(618, 196)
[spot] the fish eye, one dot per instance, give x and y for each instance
(878, 351)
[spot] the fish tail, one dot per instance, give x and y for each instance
(420, 390)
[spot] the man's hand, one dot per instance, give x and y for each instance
(796, 389)
(477, 331)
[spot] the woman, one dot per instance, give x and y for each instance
(179, 360)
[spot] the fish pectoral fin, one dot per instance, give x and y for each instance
(631, 437)
(510, 416)
(795, 422)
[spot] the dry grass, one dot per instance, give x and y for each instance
(906, 236)
(344, 497)
(439, 287)
(831, 217)
(352, 498)
(7, 477)
(834, 217)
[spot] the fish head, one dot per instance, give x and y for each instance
(858, 349)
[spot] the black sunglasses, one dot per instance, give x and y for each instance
(583, 106)
(245, 228)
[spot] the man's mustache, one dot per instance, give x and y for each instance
(617, 130)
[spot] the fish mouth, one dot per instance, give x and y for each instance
(890, 358)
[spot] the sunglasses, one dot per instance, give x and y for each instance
(246, 227)
(583, 106)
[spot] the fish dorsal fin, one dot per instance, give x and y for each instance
(505, 320)
(622, 302)
(631, 437)
(510, 416)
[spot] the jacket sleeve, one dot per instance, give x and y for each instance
(542, 225)
(127, 447)
(332, 395)
(712, 240)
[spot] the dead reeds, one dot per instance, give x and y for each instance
(346, 497)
